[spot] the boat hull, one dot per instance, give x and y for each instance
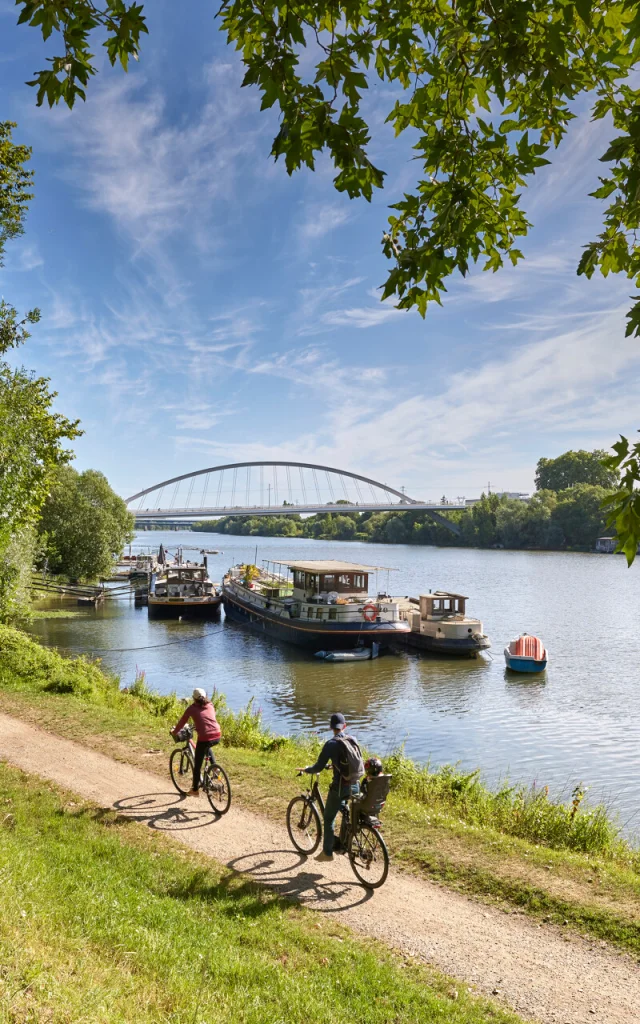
(461, 648)
(329, 637)
(159, 609)
(519, 664)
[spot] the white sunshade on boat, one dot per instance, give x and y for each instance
(320, 566)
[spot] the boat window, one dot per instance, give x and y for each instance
(329, 581)
(333, 613)
(309, 612)
(318, 613)
(344, 581)
(359, 582)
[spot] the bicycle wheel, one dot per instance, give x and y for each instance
(181, 768)
(217, 787)
(303, 825)
(368, 856)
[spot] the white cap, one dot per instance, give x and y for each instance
(199, 694)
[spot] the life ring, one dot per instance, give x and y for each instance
(369, 613)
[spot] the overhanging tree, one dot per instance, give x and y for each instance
(488, 88)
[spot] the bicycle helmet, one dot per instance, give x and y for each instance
(373, 766)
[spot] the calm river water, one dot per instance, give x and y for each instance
(580, 721)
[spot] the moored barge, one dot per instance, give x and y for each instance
(438, 623)
(322, 605)
(183, 591)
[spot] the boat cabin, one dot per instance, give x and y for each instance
(184, 581)
(329, 582)
(442, 605)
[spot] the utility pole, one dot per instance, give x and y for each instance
(269, 485)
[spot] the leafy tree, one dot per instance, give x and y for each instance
(31, 435)
(484, 90)
(579, 514)
(84, 524)
(623, 507)
(573, 468)
(15, 185)
(17, 558)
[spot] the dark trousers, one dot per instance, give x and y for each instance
(202, 749)
(335, 799)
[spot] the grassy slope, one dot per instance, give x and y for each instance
(597, 895)
(106, 921)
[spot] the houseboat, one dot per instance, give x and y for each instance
(438, 623)
(321, 605)
(183, 591)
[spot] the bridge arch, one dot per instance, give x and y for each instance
(303, 495)
(291, 465)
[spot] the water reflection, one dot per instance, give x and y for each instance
(579, 720)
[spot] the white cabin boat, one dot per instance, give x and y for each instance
(183, 591)
(439, 623)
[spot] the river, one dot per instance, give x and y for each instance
(579, 721)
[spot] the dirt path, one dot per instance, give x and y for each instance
(536, 970)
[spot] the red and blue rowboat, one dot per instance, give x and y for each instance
(526, 654)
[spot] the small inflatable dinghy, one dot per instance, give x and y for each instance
(360, 654)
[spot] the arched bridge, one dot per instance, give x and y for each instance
(274, 488)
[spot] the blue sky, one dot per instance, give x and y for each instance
(201, 307)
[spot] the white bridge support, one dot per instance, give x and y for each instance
(276, 488)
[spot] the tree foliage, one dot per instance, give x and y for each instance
(623, 507)
(84, 524)
(552, 521)
(15, 185)
(485, 91)
(573, 468)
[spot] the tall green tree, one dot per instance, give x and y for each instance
(573, 468)
(32, 436)
(84, 524)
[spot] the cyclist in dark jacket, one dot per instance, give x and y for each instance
(339, 790)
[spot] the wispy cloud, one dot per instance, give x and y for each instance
(321, 219)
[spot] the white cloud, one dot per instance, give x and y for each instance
(24, 256)
(322, 219)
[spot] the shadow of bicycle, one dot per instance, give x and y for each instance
(292, 877)
(165, 812)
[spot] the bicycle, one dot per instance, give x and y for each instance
(359, 838)
(214, 780)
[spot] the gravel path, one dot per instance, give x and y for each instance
(538, 971)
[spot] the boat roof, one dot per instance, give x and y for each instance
(321, 566)
(445, 593)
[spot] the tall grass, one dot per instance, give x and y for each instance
(527, 812)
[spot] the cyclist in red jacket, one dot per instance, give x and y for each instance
(209, 732)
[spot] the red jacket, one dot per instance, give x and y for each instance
(204, 719)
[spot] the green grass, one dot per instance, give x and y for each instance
(515, 848)
(105, 921)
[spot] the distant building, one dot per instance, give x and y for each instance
(515, 495)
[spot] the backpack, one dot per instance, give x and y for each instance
(351, 765)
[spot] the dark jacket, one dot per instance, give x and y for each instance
(331, 753)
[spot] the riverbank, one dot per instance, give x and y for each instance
(515, 849)
(567, 520)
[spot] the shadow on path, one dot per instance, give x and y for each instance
(166, 812)
(293, 877)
